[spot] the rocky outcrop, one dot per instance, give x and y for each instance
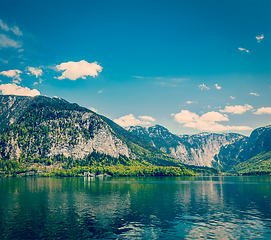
(242, 150)
(102, 142)
(197, 149)
(48, 127)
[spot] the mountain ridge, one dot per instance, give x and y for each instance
(38, 128)
(197, 149)
(223, 151)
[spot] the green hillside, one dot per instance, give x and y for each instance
(260, 164)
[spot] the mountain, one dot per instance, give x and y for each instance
(198, 149)
(259, 164)
(230, 152)
(12, 107)
(228, 155)
(259, 142)
(43, 130)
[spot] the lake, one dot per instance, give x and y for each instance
(136, 208)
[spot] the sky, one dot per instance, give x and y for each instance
(190, 66)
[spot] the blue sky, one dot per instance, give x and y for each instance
(191, 66)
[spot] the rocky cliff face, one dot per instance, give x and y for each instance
(198, 149)
(242, 150)
(48, 127)
(259, 141)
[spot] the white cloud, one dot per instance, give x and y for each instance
(255, 94)
(232, 97)
(34, 71)
(243, 49)
(263, 110)
(100, 91)
(147, 118)
(185, 117)
(4, 26)
(214, 117)
(217, 87)
(202, 86)
(207, 122)
(130, 120)
(190, 102)
(237, 109)
(14, 29)
(15, 74)
(75, 70)
(6, 42)
(13, 89)
(259, 38)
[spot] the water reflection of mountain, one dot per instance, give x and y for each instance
(135, 207)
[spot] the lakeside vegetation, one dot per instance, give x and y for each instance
(95, 163)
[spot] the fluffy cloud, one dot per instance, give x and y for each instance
(147, 118)
(217, 87)
(13, 89)
(243, 49)
(205, 122)
(6, 42)
(14, 29)
(34, 71)
(237, 109)
(259, 38)
(232, 97)
(15, 74)
(190, 102)
(185, 117)
(130, 120)
(255, 94)
(75, 70)
(202, 86)
(263, 110)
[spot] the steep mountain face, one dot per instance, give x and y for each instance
(228, 155)
(48, 128)
(198, 149)
(35, 127)
(259, 141)
(240, 151)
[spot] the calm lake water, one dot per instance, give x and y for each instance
(136, 208)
